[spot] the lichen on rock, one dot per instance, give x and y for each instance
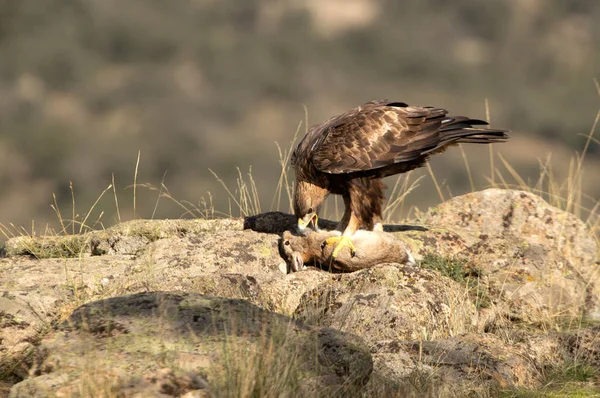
(503, 280)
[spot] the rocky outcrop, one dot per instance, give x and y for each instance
(164, 344)
(173, 308)
(537, 262)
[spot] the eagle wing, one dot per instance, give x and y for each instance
(375, 135)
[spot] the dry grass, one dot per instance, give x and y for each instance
(255, 375)
(271, 367)
(568, 194)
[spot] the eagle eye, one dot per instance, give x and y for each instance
(310, 209)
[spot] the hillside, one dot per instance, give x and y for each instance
(85, 85)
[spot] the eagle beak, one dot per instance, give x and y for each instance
(314, 221)
(309, 219)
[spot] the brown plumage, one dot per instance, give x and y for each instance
(373, 248)
(349, 154)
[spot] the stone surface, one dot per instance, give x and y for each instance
(537, 261)
(163, 343)
(525, 280)
(390, 302)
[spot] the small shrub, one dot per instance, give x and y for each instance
(450, 267)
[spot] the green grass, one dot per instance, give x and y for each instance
(569, 380)
(458, 270)
(450, 267)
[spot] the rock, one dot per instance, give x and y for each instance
(131, 237)
(536, 261)
(128, 238)
(454, 366)
(500, 213)
(205, 257)
(171, 344)
(584, 345)
(471, 364)
(497, 271)
(390, 302)
(441, 241)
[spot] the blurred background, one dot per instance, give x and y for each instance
(86, 85)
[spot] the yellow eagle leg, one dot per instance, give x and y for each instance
(341, 241)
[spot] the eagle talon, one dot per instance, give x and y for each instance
(341, 242)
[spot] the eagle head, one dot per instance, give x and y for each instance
(307, 203)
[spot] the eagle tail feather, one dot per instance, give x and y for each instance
(462, 130)
(490, 138)
(470, 132)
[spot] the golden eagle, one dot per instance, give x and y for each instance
(350, 153)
